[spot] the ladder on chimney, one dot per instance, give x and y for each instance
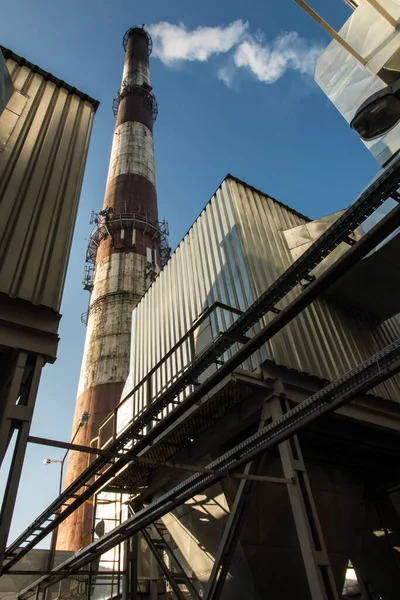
(156, 536)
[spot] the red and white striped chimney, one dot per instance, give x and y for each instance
(125, 250)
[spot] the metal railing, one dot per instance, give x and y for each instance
(365, 376)
(380, 190)
(108, 427)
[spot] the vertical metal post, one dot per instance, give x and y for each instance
(153, 577)
(192, 347)
(9, 401)
(130, 583)
(133, 561)
(89, 583)
(18, 417)
(126, 570)
(149, 391)
(232, 529)
(315, 556)
(50, 560)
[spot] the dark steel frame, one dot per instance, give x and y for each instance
(51, 518)
(367, 375)
(157, 544)
(18, 403)
(382, 188)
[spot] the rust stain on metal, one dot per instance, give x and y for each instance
(126, 261)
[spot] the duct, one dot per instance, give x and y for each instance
(373, 285)
(347, 83)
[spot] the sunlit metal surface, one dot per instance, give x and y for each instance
(44, 139)
(348, 84)
(232, 253)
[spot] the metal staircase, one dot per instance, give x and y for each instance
(150, 422)
(160, 543)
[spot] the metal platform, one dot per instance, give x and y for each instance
(379, 367)
(149, 425)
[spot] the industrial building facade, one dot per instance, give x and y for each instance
(233, 252)
(246, 415)
(241, 243)
(45, 129)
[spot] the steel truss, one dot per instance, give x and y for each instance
(155, 536)
(105, 468)
(365, 376)
(312, 545)
(18, 398)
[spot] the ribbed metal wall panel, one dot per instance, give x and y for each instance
(234, 251)
(326, 339)
(44, 138)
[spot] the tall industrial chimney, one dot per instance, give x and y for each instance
(124, 254)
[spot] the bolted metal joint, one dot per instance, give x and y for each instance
(141, 30)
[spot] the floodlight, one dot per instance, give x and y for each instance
(378, 114)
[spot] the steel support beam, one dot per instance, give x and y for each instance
(36, 532)
(309, 532)
(367, 375)
(10, 394)
(230, 537)
(154, 463)
(130, 579)
(66, 573)
(16, 417)
(319, 573)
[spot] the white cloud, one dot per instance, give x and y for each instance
(226, 74)
(270, 61)
(173, 43)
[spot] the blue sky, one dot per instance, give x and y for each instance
(252, 110)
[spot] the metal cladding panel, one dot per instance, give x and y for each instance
(348, 83)
(326, 339)
(6, 86)
(44, 138)
(234, 251)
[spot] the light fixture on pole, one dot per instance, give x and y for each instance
(378, 114)
(83, 419)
